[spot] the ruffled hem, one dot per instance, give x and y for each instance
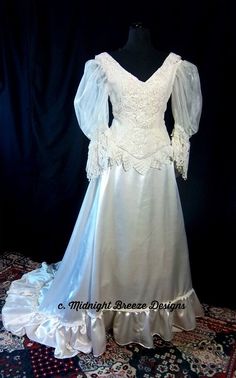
(21, 316)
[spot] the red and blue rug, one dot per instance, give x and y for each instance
(208, 351)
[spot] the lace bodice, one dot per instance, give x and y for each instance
(138, 137)
(141, 103)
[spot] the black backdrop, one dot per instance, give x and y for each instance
(44, 45)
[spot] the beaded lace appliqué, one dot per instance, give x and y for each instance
(138, 137)
(181, 148)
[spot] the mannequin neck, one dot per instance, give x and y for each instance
(139, 40)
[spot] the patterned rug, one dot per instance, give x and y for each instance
(208, 351)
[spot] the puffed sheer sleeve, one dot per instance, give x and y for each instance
(92, 112)
(186, 104)
(91, 100)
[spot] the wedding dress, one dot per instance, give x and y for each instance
(129, 241)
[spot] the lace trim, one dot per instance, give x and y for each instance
(103, 153)
(98, 152)
(181, 149)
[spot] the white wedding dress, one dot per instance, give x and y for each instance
(129, 241)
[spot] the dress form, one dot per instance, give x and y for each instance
(138, 55)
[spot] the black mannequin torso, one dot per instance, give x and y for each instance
(138, 56)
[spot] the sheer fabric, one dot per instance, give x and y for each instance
(91, 100)
(186, 103)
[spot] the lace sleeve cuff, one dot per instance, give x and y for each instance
(181, 149)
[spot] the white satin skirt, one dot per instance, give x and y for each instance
(126, 268)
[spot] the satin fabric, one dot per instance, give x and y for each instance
(113, 254)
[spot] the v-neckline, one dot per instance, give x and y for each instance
(135, 77)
